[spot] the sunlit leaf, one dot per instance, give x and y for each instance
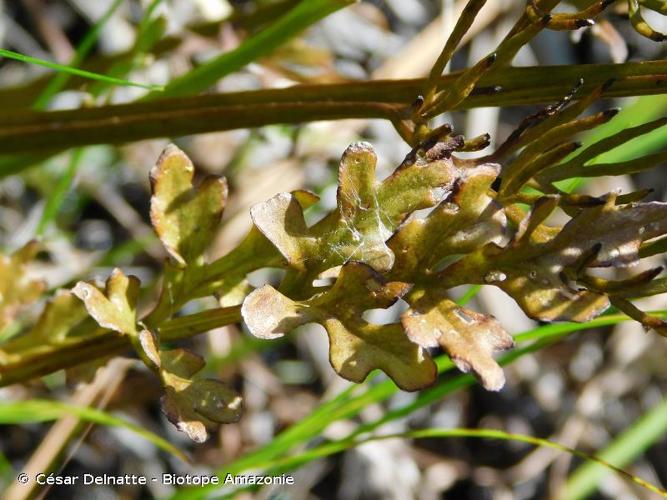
(115, 308)
(466, 220)
(367, 214)
(467, 336)
(356, 346)
(184, 217)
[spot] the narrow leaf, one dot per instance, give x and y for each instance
(75, 71)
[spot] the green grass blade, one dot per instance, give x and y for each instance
(650, 427)
(627, 167)
(643, 110)
(75, 71)
(286, 27)
(7, 474)
(39, 410)
(150, 31)
(125, 251)
(469, 294)
(345, 444)
(56, 197)
(82, 51)
(144, 24)
(542, 336)
(441, 390)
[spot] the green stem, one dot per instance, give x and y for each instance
(28, 131)
(218, 277)
(194, 324)
(18, 364)
(26, 364)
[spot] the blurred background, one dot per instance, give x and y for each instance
(583, 391)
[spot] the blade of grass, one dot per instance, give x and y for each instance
(339, 446)
(23, 95)
(148, 16)
(286, 27)
(650, 427)
(6, 469)
(124, 251)
(74, 71)
(149, 32)
(39, 410)
(542, 336)
(82, 51)
(56, 197)
(643, 110)
(469, 294)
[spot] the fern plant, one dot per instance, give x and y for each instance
(489, 222)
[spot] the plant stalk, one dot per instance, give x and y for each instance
(44, 359)
(22, 132)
